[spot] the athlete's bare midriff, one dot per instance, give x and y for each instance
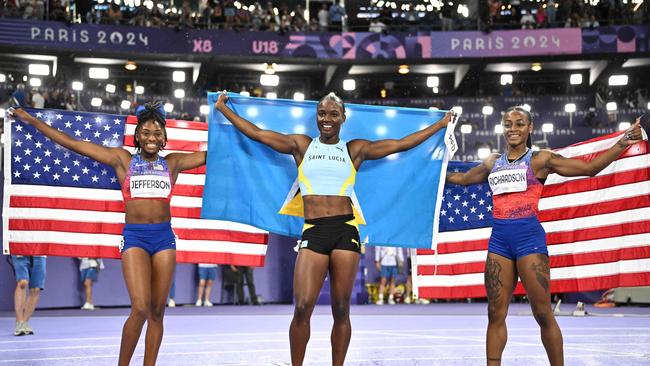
(147, 211)
(325, 206)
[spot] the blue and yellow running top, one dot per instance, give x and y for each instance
(326, 170)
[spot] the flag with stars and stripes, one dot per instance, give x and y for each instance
(57, 202)
(598, 228)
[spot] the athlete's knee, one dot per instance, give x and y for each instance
(140, 310)
(303, 310)
(497, 314)
(543, 315)
(157, 312)
(341, 311)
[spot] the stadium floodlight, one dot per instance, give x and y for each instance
(483, 152)
(498, 128)
(110, 88)
(3, 78)
(35, 82)
(575, 79)
(611, 106)
(125, 104)
(168, 107)
(269, 80)
(433, 81)
(570, 107)
(617, 80)
(178, 76)
(466, 128)
(179, 93)
(458, 109)
(77, 86)
(506, 79)
(96, 102)
(547, 127)
(298, 96)
(349, 84)
(624, 126)
(487, 110)
(39, 69)
(526, 107)
(98, 73)
(139, 89)
(204, 109)
(271, 95)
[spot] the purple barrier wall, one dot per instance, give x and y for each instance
(347, 45)
(63, 288)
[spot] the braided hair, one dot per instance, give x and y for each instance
(153, 111)
(334, 98)
(521, 109)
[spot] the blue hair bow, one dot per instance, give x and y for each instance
(143, 108)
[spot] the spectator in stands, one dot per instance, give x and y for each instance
(207, 274)
(298, 22)
(389, 262)
(114, 14)
(89, 268)
(527, 21)
(71, 103)
(270, 20)
(540, 17)
(551, 12)
(245, 273)
(217, 19)
(140, 15)
(30, 281)
(58, 12)
(157, 18)
(412, 18)
(323, 18)
(446, 16)
(336, 13)
(285, 20)
(38, 101)
(229, 12)
(257, 17)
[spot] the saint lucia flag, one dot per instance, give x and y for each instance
(397, 199)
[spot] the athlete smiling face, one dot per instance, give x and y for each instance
(330, 116)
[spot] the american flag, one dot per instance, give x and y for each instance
(598, 228)
(57, 202)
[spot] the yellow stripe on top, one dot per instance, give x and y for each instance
(350, 181)
(303, 181)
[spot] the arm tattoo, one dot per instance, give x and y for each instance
(541, 269)
(492, 282)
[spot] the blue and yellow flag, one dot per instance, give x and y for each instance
(397, 197)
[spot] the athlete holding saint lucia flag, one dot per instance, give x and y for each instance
(327, 168)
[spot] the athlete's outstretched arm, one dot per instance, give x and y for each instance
(567, 167)
(286, 144)
(361, 150)
(477, 174)
(183, 161)
(114, 157)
